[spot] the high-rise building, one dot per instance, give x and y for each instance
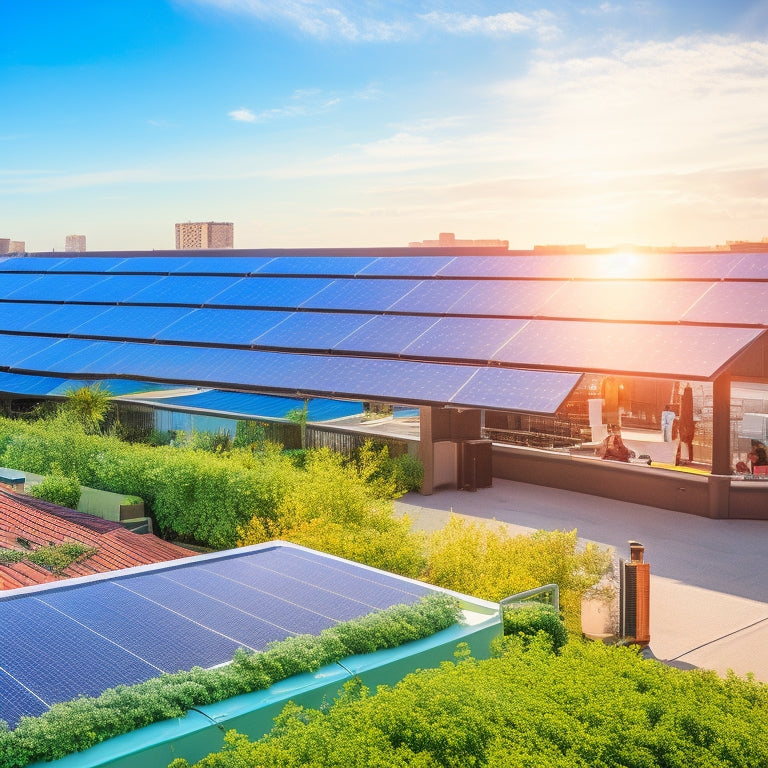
(5, 244)
(17, 246)
(205, 234)
(75, 244)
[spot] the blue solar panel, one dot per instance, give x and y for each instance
(751, 266)
(218, 265)
(731, 302)
(531, 391)
(388, 334)
(312, 330)
(85, 636)
(433, 296)
(230, 326)
(17, 317)
(29, 264)
(160, 265)
(16, 286)
(130, 322)
(77, 661)
(506, 298)
(410, 266)
(16, 701)
(271, 292)
(467, 338)
(316, 265)
(54, 287)
(52, 318)
(177, 289)
(164, 638)
(15, 349)
(87, 264)
(375, 295)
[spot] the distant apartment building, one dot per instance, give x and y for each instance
(17, 246)
(5, 244)
(75, 244)
(205, 234)
(448, 240)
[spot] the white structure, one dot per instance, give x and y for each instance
(205, 234)
(75, 244)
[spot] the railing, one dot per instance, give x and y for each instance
(551, 590)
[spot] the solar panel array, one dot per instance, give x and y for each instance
(410, 328)
(131, 627)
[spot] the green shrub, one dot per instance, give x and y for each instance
(64, 491)
(76, 725)
(591, 705)
(528, 620)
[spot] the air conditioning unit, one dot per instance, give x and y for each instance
(635, 589)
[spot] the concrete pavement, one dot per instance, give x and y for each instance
(709, 578)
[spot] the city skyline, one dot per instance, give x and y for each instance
(380, 124)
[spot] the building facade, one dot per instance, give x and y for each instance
(448, 240)
(75, 244)
(204, 234)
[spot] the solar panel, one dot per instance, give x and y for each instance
(506, 298)
(62, 320)
(662, 350)
(15, 286)
(316, 265)
(731, 302)
(637, 300)
(521, 390)
(176, 289)
(751, 266)
(129, 322)
(236, 265)
(368, 295)
(275, 292)
(433, 296)
(16, 317)
(469, 338)
(388, 334)
(411, 266)
(312, 330)
(223, 326)
(86, 264)
(29, 264)
(128, 627)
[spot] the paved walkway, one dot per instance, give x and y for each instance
(709, 578)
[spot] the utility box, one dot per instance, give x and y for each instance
(12, 480)
(475, 464)
(635, 597)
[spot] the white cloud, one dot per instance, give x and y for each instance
(511, 23)
(242, 115)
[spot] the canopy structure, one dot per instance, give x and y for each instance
(508, 332)
(512, 332)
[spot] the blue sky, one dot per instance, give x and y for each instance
(377, 122)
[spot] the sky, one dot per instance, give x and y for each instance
(353, 123)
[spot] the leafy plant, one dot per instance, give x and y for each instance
(528, 620)
(64, 491)
(58, 557)
(591, 705)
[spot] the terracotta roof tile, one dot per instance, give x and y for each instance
(26, 522)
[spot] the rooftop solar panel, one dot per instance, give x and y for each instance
(532, 391)
(125, 627)
(637, 300)
(312, 330)
(29, 264)
(387, 334)
(192, 290)
(731, 302)
(281, 293)
(62, 320)
(506, 298)
(375, 295)
(87, 264)
(17, 317)
(469, 338)
(222, 326)
(218, 265)
(316, 265)
(15, 286)
(412, 266)
(751, 266)
(433, 296)
(130, 322)
(658, 350)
